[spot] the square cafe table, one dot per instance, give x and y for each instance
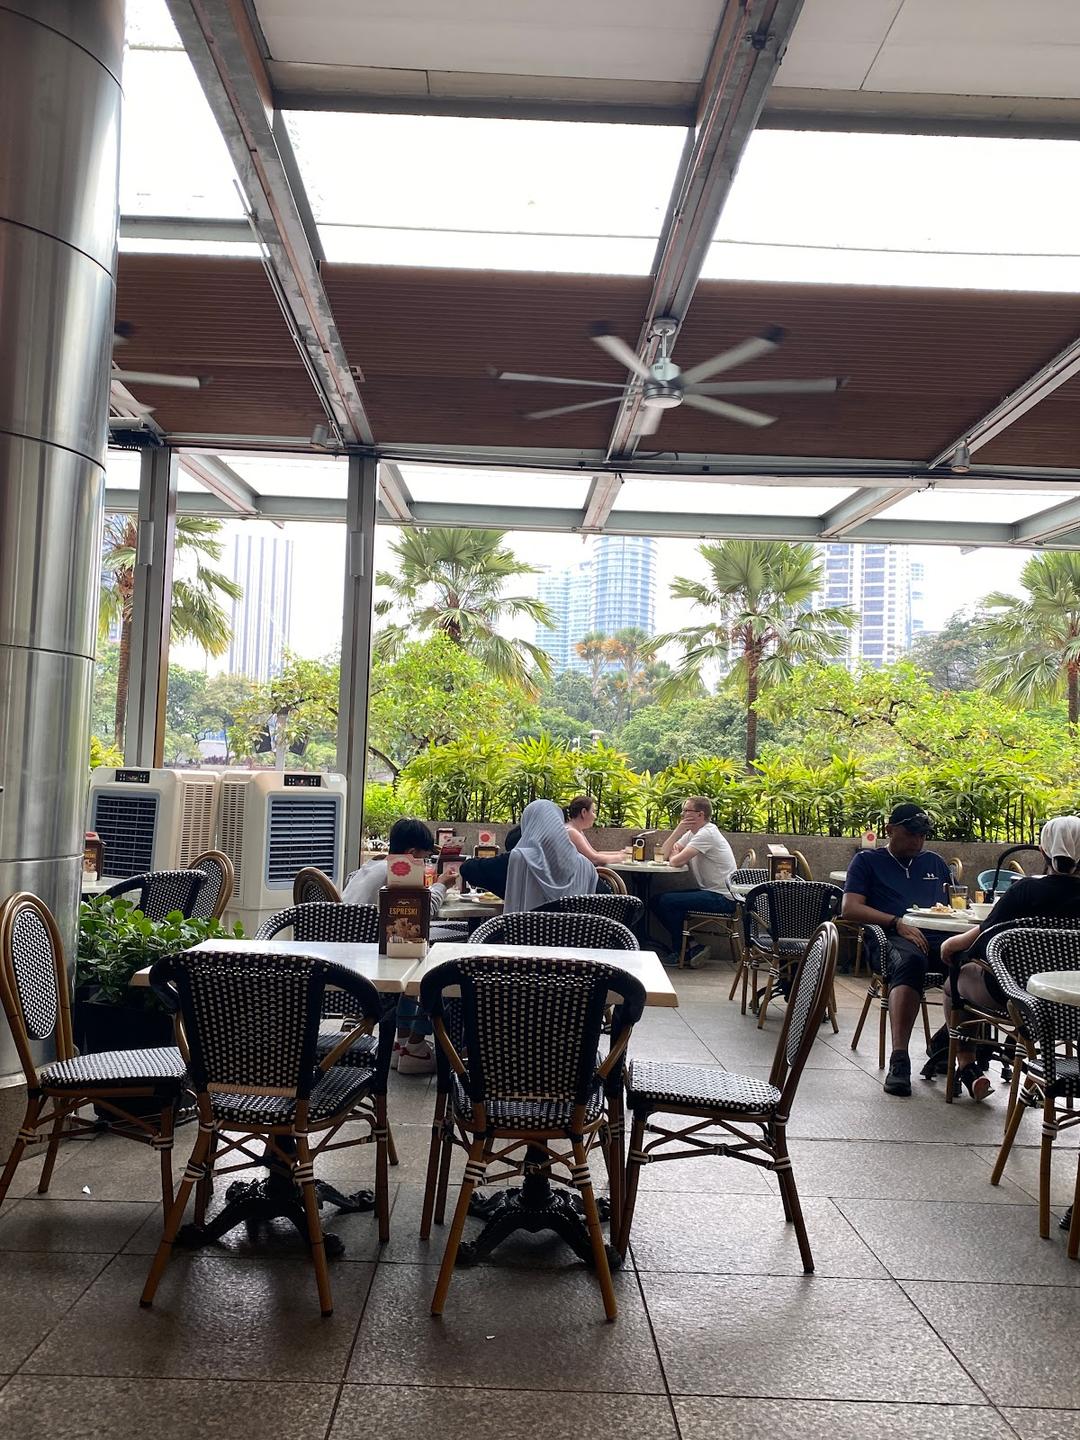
(387, 973)
(536, 1205)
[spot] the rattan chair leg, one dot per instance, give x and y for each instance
(682, 950)
(583, 1180)
(205, 1188)
(789, 1189)
(832, 1012)
(1046, 1155)
(431, 1179)
(164, 1144)
(871, 995)
(382, 1155)
(15, 1154)
(925, 1021)
(950, 1066)
(748, 971)
(882, 1027)
(633, 1174)
(192, 1173)
(446, 1155)
(1074, 1223)
(615, 1158)
(740, 968)
(473, 1169)
(391, 1148)
(1012, 1125)
(764, 1005)
(306, 1176)
(45, 1178)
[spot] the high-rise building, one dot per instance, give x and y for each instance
(613, 589)
(918, 598)
(875, 580)
(262, 566)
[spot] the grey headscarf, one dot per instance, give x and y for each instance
(544, 865)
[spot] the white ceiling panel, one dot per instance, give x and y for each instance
(612, 39)
(836, 42)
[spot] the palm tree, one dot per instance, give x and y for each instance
(452, 581)
(197, 612)
(631, 650)
(760, 596)
(593, 650)
(1036, 637)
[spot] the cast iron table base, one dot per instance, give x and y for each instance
(535, 1205)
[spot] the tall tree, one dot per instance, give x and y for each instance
(198, 612)
(592, 648)
(760, 600)
(452, 581)
(953, 656)
(1035, 638)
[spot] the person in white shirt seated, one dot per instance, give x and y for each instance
(413, 1054)
(696, 844)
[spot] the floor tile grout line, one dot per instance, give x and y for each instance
(340, 1389)
(655, 1341)
(927, 1321)
(67, 1311)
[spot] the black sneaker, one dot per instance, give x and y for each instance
(898, 1080)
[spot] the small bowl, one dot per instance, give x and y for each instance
(981, 910)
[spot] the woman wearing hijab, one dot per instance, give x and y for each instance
(1057, 892)
(544, 865)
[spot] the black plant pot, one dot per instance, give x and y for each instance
(97, 1025)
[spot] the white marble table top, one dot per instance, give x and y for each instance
(1060, 985)
(644, 965)
(387, 973)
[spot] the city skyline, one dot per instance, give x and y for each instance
(612, 589)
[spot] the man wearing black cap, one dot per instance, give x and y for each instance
(881, 886)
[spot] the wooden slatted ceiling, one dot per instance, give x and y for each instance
(922, 364)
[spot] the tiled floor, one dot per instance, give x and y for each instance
(935, 1309)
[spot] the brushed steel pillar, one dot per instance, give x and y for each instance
(59, 172)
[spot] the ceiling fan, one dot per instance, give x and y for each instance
(663, 386)
(122, 332)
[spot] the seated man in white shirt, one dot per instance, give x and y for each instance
(697, 844)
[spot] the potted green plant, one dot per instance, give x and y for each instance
(115, 940)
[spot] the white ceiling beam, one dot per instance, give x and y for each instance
(226, 55)
(1048, 524)
(746, 54)
(394, 493)
(223, 481)
(185, 228)
(1024, 398)
(858, 508)
(603, 492)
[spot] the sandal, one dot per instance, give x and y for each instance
(974, 1081)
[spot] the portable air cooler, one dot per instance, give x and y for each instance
(152, 819)
(271, 825)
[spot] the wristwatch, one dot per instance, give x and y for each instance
(894, 922)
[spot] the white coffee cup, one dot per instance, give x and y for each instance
(981, 910)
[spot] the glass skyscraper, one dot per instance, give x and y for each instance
(613, 589)
(262, 565)
(875, 580)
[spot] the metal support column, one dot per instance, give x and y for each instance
(144, 741)
(356, 629)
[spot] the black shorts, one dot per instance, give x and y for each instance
(907, 963)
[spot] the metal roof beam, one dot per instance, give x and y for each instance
(394, 493)
(223, 481)
(1048, 524)
(603, 492)
(746, 54)
(857, 508)
(185, 228)
(225, 54)
(570, 109)
(1024, 398)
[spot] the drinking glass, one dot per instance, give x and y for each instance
(958, 896)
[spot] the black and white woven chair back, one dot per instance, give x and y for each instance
(531, 1024)
(793, 910)
(752, 875)
(626, 909)
(806, 991)
(161, 892)
(312, 885)
(33, 962)
(208, 898)
(545, 927)
(875, 949)
(1027, 922)
(325, 920)
(1014, 956)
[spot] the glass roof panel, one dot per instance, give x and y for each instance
(937, 210)
(425, 190)
(284, 475)
(708, 497)
(995, 507)
(452, 485)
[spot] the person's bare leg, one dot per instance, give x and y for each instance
(903, 1012)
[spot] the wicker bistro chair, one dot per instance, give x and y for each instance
(875, 951)
(36, 999)
(722, 1110)
(627, 909)
(703, 927)
(327, 920)
(312, 884)
(745, 875)
(528, 1090)
(161, 892)
(615, 882)
(1050, 1036)
(252, 1024)
(212, 898)
(779, 919)
(524, 927)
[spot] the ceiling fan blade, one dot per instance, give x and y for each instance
(750, 349)
(151, 377)
(729, 412)
(569, 409)
(771, 387)
(619, 350)
(648, 420)
(555, 380)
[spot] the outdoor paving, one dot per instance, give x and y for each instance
(935, 1309)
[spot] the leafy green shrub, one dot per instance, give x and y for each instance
(116, 939)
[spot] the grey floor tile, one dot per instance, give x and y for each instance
(743, 1235)
(212, 1318)
(25, 1179)
(809, 1338)
(38, 1290)
(112, 1168)
(924, 1240)
(713, 1419)
(875, 1169)
(505, 1328)
(1044, 1424)
(1022, 1169)
(374, 1410)
(710, 1175)
(1017, 1342)
(93, 1227)
(43, 1407)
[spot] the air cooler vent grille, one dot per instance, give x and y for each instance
(196, 821)
(126, 824)
(231, 829)
(303, 831)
